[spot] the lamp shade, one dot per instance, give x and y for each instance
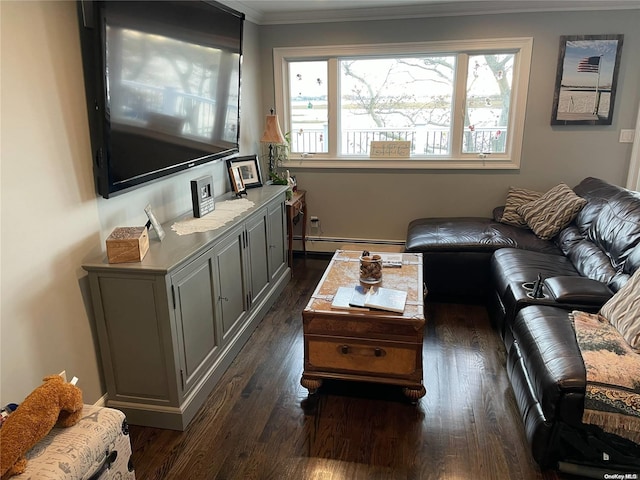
(272, 132)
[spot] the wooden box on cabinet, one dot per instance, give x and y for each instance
(127, 244)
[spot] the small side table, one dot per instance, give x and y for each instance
(296, 206)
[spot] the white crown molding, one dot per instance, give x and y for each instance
(269, 12)
(251, 14)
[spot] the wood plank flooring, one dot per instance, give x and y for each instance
(259, 423)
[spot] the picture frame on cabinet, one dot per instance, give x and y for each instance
(586, 79)
(237, 184)
(202, 196)
(153, 221)
(249, 170)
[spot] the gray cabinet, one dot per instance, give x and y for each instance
(169, 326)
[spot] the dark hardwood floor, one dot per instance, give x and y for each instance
(259, 423)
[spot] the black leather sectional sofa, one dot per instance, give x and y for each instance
(483, 259)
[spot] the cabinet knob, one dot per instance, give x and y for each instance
(344, 349)
(377, 352)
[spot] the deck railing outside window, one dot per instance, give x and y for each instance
(424, 140)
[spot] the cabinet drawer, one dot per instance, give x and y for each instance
(364, 327)
(361, 356)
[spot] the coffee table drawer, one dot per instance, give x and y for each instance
(380, 327)
(361, 356)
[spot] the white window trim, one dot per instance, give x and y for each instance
(633, 178)
(520, 84)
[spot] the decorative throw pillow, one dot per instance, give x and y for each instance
(623, 310)
(553, 211)
(515, 198)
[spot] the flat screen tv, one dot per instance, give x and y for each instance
(162, 85)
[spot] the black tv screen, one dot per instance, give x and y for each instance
(163, 87)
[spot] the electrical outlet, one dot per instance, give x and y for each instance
(313, 219)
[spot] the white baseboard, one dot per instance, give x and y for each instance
(102, 401)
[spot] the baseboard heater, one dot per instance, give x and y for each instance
(330, 244)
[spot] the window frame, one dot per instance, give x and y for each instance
(521, 46)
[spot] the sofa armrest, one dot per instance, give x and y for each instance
(578, 290)
(545, 341)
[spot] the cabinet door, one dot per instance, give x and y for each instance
(276, 238)
(197, 337)
(135, 338)
(231, 285)
(258, 253)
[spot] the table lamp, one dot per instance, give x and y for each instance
(273, 136)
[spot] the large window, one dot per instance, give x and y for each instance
(460, 104)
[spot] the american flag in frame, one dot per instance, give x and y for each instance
(586, 79)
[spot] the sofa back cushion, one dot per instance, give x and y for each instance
(596, 192)
(616, 230)
(603, 241)
(586, 257)
(632, 264)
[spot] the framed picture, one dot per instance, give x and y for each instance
(249, 169)
(154, 222)
(202, 196)
(236, 180)
(586, 79)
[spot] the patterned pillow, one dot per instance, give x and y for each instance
(553, 211)
(623, 310)
(515, 198)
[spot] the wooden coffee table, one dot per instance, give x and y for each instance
(370, 346)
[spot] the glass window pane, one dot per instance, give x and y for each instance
(487, 106)
(308, 106)
(406, 98)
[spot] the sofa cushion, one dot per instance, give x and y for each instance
(623, 311)
(596, 192)
(511, 265)
(632, 264)
(457, 252)
(517, 197)
(591, 262)
(553, 211)
(471, 234)
(457, 234)
(616, 230)
(525, 239)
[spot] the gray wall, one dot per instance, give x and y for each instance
(379, 204)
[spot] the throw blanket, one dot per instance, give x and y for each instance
(612, 399)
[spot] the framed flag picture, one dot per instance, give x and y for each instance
(586, 79)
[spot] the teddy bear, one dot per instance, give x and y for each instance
(54, 403)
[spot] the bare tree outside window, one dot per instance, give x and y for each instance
(405, 98)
